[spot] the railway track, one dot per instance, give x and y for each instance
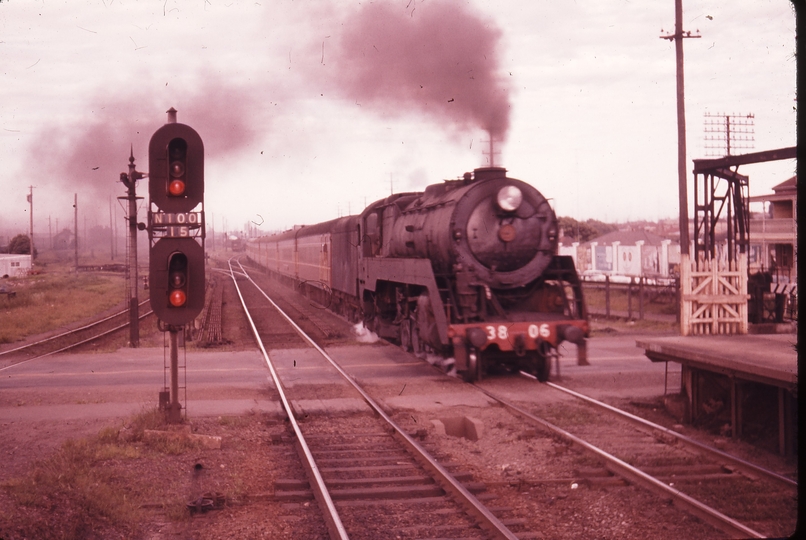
(735, 498)
(313, 318)
(739, 498)
(370, 477)
(74, 337)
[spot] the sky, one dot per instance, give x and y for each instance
(309, 110)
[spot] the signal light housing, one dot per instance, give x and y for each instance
(176, 280)
(176, 168)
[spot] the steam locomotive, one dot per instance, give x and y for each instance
(468, 268)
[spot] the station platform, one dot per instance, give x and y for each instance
(753, 374)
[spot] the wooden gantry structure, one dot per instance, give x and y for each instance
(714, 281)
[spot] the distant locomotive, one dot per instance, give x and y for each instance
(468, 268)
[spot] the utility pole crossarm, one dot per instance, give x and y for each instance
(676, 35)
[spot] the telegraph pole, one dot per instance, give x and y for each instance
(111, 233)
(725, 133)
(31, 203)
(678, 37)
(75, 226)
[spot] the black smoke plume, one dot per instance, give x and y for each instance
(438, 58)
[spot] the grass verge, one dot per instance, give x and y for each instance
(56, 298)
(93, 487)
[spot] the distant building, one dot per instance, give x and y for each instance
(625, 253)
(14, 265)
(63, 240)
(774, 232)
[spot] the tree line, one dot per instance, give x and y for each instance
(19, 245)
(583, 231)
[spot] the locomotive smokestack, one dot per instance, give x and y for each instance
(171, 116)
(488, 173)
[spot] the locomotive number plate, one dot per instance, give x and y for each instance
(502, 332)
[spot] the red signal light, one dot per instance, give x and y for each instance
(176, 187)
(177, 298)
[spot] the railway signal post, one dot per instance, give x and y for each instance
(130, 181)
(176, 233)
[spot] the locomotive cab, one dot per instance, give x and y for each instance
(371, 236)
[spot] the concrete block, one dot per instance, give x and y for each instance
(211, 442)
(474, 428)
(439, 427)
(467, 427)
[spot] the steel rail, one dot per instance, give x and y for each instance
(710, 515)
(73, 331)
(741, 464)
(446, 480)
(82, 342)
(334, 524)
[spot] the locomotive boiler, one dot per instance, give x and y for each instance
(466, 269)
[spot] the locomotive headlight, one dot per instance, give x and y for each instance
(509, 198)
